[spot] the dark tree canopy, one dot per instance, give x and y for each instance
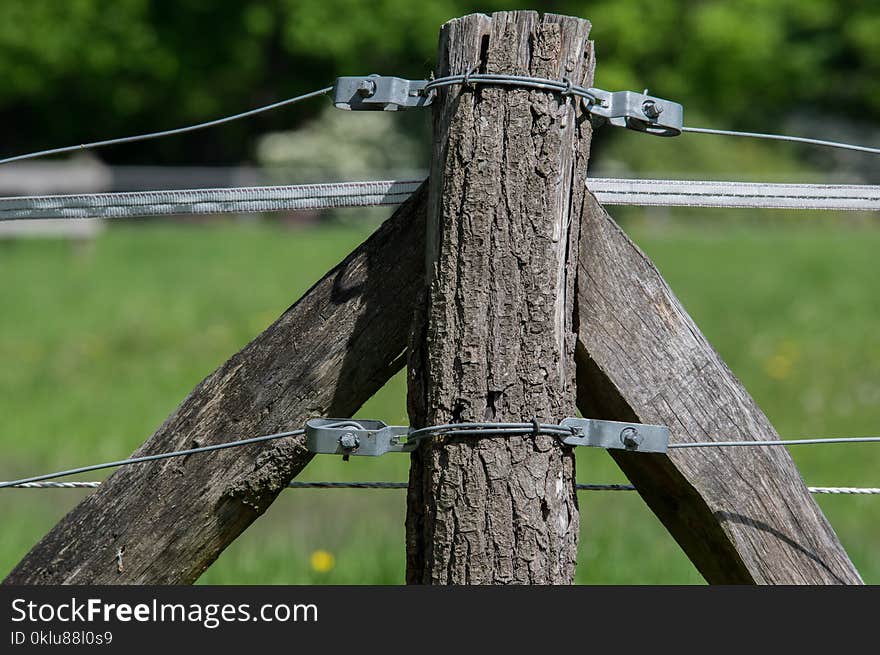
(85, 69)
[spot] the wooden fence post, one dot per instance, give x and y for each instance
(495, 341)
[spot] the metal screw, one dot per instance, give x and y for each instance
(630, 437)
(366, 87)
(349, 442)
(651, 109)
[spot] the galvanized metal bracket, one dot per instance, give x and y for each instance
(636, 111)
(629, 109)
(615, 435)
(347, 437)
(379, 93)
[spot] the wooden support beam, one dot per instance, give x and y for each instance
(326, 355)
(496, 341)
(742, 515)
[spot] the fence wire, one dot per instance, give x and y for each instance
(390, 192)
(477, 429)
(403, 485)
(370, 193)
(164, 133)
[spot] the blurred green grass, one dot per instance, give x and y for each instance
(100, 341)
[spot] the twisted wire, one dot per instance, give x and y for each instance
(403, 485)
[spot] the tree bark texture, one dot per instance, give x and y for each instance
(325, 356)
(494, 340)
(742, 515)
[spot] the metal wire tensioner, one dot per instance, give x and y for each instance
(370, 438)
(629, 109)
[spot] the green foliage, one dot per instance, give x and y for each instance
(342, 145)
(83, 69)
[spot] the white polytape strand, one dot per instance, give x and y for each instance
(609, 191)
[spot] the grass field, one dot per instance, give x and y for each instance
(99, 342)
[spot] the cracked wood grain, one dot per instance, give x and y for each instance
(495, 340)
(742, 515)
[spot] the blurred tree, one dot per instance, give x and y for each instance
(84, 69)
(373, 142)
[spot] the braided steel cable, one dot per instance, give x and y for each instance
(403, 485)
(369, 193)
(234, 200)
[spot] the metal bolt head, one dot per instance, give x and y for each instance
(630, 437)
(349, 441)
(366, 87)
(651, 109)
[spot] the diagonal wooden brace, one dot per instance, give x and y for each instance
(742, 515)
(324, 356)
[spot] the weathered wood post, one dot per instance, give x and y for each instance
(495, 341)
